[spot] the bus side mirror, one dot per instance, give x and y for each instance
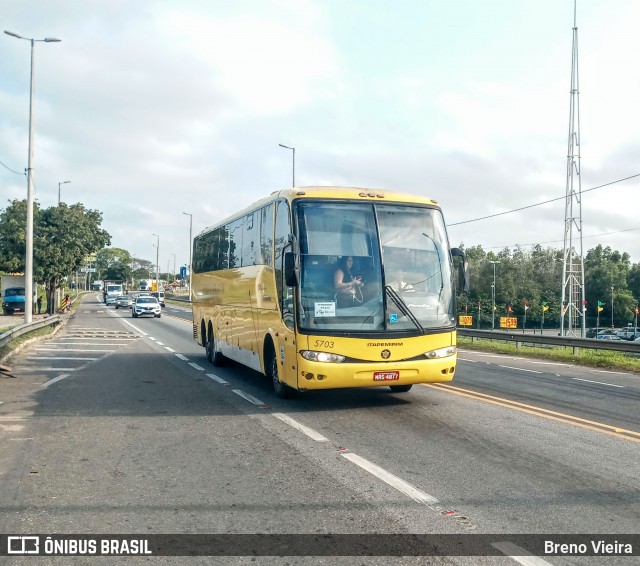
(291, 269)
(463, 272)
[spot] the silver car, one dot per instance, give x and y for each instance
(146, 305)
(125, 301)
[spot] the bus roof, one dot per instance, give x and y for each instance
(314, 192)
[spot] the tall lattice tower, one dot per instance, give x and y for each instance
(573, 301)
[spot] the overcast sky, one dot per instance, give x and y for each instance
(155, 108)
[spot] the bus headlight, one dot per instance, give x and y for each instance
(321, 357)
(441, 353)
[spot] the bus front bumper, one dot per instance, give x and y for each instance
(315, 375)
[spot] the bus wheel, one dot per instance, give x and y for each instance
(281, 389)
(213, 355)
(400, 388)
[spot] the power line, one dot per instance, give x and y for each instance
(540, 203)
(9, 169)
(556, 241)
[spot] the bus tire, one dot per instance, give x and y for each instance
(213, 354)
(400, 388)
(280, 388)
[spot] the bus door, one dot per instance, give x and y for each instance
(286, 347)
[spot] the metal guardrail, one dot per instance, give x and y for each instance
(567, 341)
(24, 328)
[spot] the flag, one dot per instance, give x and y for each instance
(636, 310)
(509, 309)
(526, 306)
(600, 309)
(600, 306)
(495, 308)
(545, 308)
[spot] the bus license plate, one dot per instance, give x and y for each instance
(386, 375)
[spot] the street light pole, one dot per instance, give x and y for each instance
(493, 295)
(157, 262)
(190, 245)
(293, 183)
(612, 288)
(28, 256)
(61, 183)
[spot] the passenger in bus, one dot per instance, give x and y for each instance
(348, 286)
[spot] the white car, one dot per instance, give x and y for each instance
(146, 305)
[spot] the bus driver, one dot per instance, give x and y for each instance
(347, 285)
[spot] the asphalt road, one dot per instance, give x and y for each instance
(120, 425)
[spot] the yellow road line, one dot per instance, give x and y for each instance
(540, 412)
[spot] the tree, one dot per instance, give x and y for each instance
(63, 236)
(114, 263)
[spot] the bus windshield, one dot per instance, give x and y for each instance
(373, 267)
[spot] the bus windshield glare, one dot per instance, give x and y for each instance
(373, 267)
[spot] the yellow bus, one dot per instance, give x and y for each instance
(330, 287)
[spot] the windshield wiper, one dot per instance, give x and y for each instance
(404, 309)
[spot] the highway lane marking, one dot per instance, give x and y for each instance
(540, 412)
(56, 379)
(196, 366)
(302, 428)
(613, 372)
(71, 350)
(598, 382)
(392, 480)
(216, 378)
(169, 349)
(467, 360)
(249, 398)
(61, 358)
(518, 554)
(183, 358)
(521, 369)
(89, 344)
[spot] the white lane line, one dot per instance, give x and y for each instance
(613, 372)
(468, 360)
(71, 350)
(133, 326)
(94, 337)
(598, 382)
(196, 366)
(169, 349)
(55, 379)
(184, 358)
(59, 358)
(87, 344)
(248, 397)
(521, 369)
(152, 338)
(552, 364)
(302, 428)
(159, 343)
(216, 378)
(36, 369)
(393, 481)
(518, 554)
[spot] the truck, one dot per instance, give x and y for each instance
(111, 290)
(144, 285)
(96, 286)
(13, 294)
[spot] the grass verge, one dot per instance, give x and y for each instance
(585, 357)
